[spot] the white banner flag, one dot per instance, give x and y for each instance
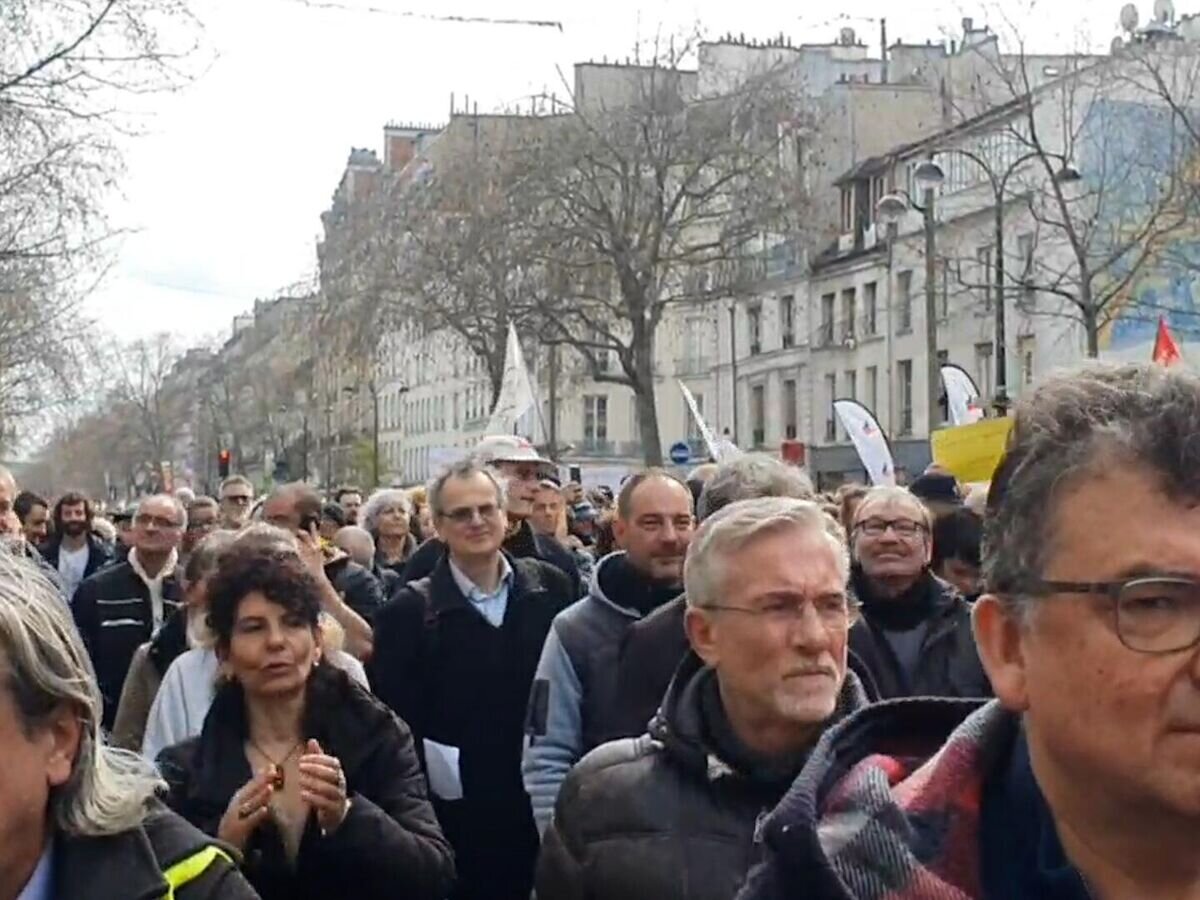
(720, 450)
(962, 397)
(516, 391)
(868, 440)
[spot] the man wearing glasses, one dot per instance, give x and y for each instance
(237, 498)
(1082, 780)
(122, 605)
(672, 815)
(455, 654)
(914, 638)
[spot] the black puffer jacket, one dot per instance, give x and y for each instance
(948, 663)
(390, 844)
(359, 588)
(665, 816)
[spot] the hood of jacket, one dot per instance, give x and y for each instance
(614, 571)
(681, 727)
(889, 802)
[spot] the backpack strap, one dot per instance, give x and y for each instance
(192, 867)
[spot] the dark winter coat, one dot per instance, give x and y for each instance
(130, 865)
(113, 613)
(100, 554)
(389, 845)
(359, 588)
(523, 544)
(671, 815)
(463, 682)
(948, 662)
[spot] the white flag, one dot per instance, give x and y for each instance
(721, 450)
(962, 397)
(868, 440)
(516, 391)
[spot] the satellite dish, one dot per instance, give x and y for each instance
(1164, 11)
(1117, 46)
(1129, 17)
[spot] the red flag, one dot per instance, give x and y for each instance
(1166, 351)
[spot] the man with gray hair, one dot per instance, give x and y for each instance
(120, 607)
(654, 646)
(455, 654)
(78, 818)
(914, 637)
(672, 815)
(1082, 779)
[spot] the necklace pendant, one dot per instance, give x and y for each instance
(278, 779)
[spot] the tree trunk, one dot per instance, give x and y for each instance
(1091, 328)
(643, 390)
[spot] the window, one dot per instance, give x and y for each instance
(870, 309)
(754, 321)
(904, 302)
(831, 395)
(872, 388)
(850, 382)
(757, 413)
(984, 368)
(847, 209)
(947, 277)
(906, 396)
(828, 302)
(595, 417)
(1027, 353)
(787, 319)
(1025, 276)
(789, 409)
(848, 312)
(983, 276)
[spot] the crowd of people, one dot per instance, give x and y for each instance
(728, 685)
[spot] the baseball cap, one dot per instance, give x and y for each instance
(500, 448)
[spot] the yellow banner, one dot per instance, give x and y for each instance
(971, 452)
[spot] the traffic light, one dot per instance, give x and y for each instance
(223, 458)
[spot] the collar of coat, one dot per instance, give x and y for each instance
(166, 572)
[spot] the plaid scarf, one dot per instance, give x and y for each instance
(904, 828)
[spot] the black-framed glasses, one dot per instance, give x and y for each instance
(1159, 614)
(905, 528)
(835, 613)
(465, 514)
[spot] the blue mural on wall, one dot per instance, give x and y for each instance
(1124, 148)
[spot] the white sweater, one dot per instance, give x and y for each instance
(186, 693)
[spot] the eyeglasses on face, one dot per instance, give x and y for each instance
(1149, 614)
(145, 520)
(463, 515)
(835, 612)
(239, 499)
(905, 528)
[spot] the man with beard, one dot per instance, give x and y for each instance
(516, 461)
(74, 551)
(572, 706)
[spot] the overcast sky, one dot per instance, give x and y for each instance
(227, 186)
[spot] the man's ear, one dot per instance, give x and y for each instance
(1000, 636)
(701, 629)
(620, 529)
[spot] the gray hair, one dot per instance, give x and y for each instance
(888, 493)
(741, 524)
(467, 468)
(44, 667)
(381, 500)
(6, 477)
(751, 476)
(1070, 428)
(350, 538)
(206, 556)
(170, 498)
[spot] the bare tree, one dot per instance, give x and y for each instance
(68, 71)
(1099, 164)
(141, 392)
(661, 198)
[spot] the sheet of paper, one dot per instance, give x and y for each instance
(441, 764)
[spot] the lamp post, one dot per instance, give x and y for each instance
(329, 446)
(892, 207)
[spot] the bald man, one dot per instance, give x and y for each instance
(10, 525)
(358, 544)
